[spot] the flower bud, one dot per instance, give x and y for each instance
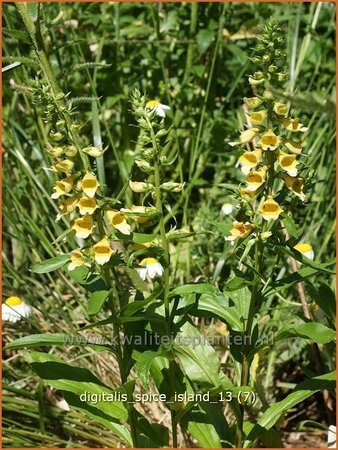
(54, 152)
(70, 150)
(96, 152)
(272, 68)
(252, 102)
(56, 136)
(143, 165)
(138, 186)
(60, 96)
(172, 186)
(268, 95)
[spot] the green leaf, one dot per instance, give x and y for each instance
(241, 298)
(77, 380)
(144, 362)
(39, 340)
(89, 281)
(99, 416)
(96, 301)
(50, 264)
(292, 279)
(327, 301)
(290, 251)
(291, 227)
(204, 39)
(141, 238)
(198, 359)
(315, 331)
(33, 10)
(199, 288)
(301, 392)
(218, 305)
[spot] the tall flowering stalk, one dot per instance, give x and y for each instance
(272, 146)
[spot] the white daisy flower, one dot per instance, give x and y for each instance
(15, 309)
(227, 209)
(150, 268)
(305, 249)
(159, 108)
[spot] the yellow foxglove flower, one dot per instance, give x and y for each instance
(305, 249)
(288, 163)
(65, 166)
(252, 102)
(118, 221)
(83, 226)
(55, 152)
(77, 259)
(227, 209)
(255, 179)
(281, 109)
(258, 117)
(247, 194)
(158, 107)
(67, 206)
(270, 209)
(63, 187)
(87, 205)
(293, 146)
(246, 137)
(139, 186)
(15, 309)
(294, 125)
(269, 141)
(240, 230)
(150, 268)
(249, 160)
(102, 251)
(295, 185)
(89, 184)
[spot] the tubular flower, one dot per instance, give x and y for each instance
(252, 102)
(305, 249)
(227, 209)
(258, 117)
(288, 163)
(139, 186)
(118, 221)
(158, 107)
(83, 226)
(15, 309)
(246, 137)
(55, 152)
(63, 187)
(247, 194)
(294, 125)
(255, 179)
(65, 166)
(249, 160)
(89, 184)
(270, 209)
(240, 230)
(269, 141)
(150, 268)
(87, 205)
(102, 251)
(67, 206)
(281, 109)
(77, 259)
(295, 185)
(293, 146)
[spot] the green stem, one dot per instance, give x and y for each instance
(58, 97)
(166, 258)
